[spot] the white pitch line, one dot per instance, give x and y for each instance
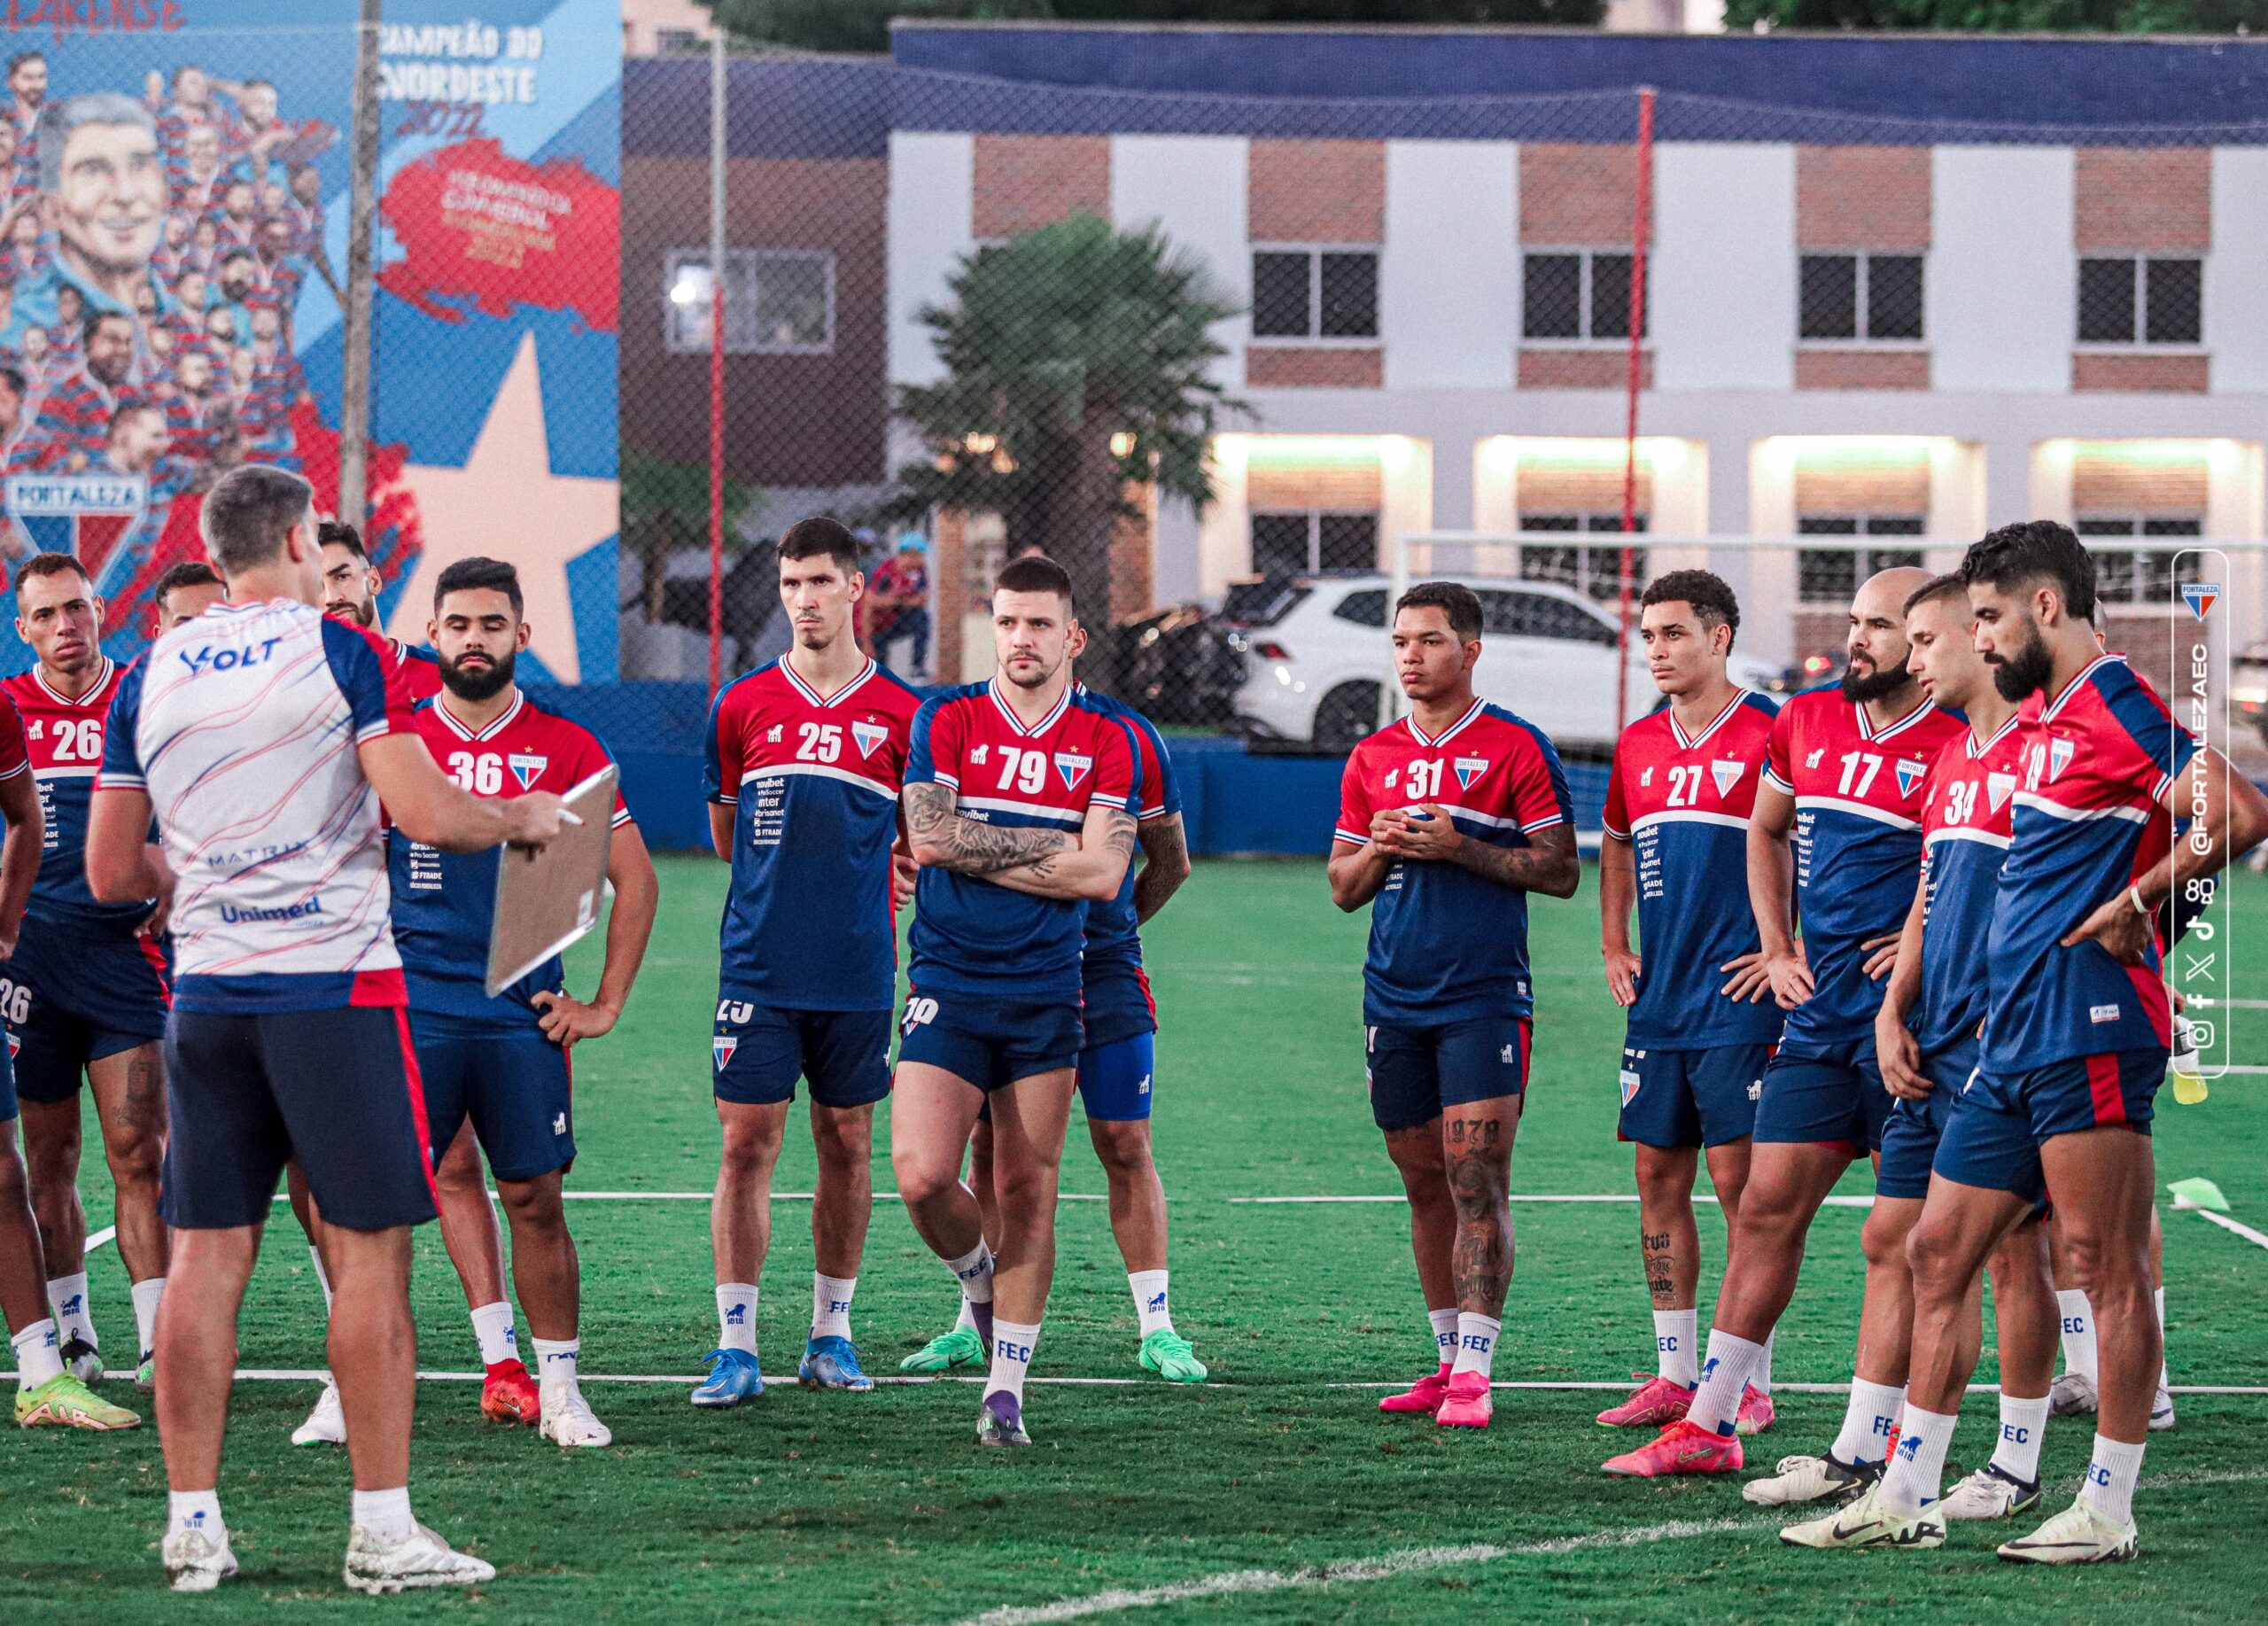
(2226, 1224)
(1608, 1196)
(98, 1239)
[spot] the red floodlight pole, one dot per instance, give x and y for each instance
(1640, 232)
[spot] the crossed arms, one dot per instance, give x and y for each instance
(1085, 868)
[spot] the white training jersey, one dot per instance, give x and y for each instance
(242, 726)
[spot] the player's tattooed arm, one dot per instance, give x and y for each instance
(1089, 872)
(1165, 865)
(1548, 864)
(941, 839)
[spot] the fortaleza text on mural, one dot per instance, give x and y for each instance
(467, 62)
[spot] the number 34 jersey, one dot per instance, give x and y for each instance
(813, 782)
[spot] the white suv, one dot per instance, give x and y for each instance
(1317, 661)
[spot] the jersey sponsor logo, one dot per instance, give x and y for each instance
(724, 1044)
(2201, 596)
(1999, 788)
(1468, 769)
(1727, 774)
(1909, 775)
(210, 659)
(2102, 1013)
(868, 735)
(526, 768)
(233, 912)
(1073, 765)
(2059, 757)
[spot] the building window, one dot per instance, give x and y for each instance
(1314, 293)
(1594, 571)
(1304, 544)
(1576, 294)
(777, 301)
(1831, 576)
(676, 42)
(1872, 297)
(2122, 577)
(2139, 300)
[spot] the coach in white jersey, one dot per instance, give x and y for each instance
(264, 736)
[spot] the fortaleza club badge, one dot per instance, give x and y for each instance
(724, 1044)
(2201, 596)
(868, 735)
(1072, 766)
(526, 768)
(1909, 775)
(1727, 774)
(2059, 757)
(1470, 769)
(84, 515)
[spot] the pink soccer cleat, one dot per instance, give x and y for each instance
(1658, 1400)
(1426, 1394)
(1469, 1405)
(1756, 1415)
(1682, 1448)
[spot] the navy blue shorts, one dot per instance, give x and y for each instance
(514, 1084)
(1688, 1097)
(338, 1090)
(1416, 1072)
(1831, 1098)
(1909, 1140)
(1994, 1139)
(8, 1108)
(1116, 1004)
(71, 997)
(1115, 1078)
(989, 1043)
(759, 1051)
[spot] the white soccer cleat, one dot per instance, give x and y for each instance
(1870, 1522)
(1989, 1493)
(2162, 1411)
(326, 1425)
(2078, 1535)
(568, 1420)
(197, 1563)
(1798, 1481)
(424, 1559)
(2071, 1395)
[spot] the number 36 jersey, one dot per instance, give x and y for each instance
(813, 782)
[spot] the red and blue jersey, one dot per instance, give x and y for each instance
(2094, 765)
(970, 934)
(1114, 936)
(1447, 945)
(1967, 805)
(813, 782)
(1858, 842)
(66, 740)
(445, 903)
(420, 668)
(1683, 802)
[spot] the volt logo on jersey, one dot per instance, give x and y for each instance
(1999, 788)
(1073, 765)
(1727, 774)
(724, 1044)
(526, 768)
(868, 735)
(1470, 769)
(1909, 775)
(2059, 757)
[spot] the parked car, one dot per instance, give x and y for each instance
(1317, 659)
(1176, 665)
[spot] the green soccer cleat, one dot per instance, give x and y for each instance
(960, 1347)
(1171, 1356)
(63, 1402)
(145, 1373)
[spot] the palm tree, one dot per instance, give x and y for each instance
(1078, 361)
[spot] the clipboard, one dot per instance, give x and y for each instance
(549, 899)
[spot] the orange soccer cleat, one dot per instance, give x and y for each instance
(1426, 1394)
(1682, 1448)
(509, 1395)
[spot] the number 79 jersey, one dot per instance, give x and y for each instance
(813, 783)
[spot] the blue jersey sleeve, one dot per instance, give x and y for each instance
(1541, 797)
(934, 754)
(2144, 719)
(122, 754)
(718, 784)
(1160, 796)
(377, 694)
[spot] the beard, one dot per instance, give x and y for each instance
(1880, 684)
(2017, 676)
(483, 682)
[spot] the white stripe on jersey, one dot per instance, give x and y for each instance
(1963, 832)
(1731, 821)
(1030, 809)
(2076, 816)
(824, 772)
(1880, 815)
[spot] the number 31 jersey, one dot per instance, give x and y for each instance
(813, 783)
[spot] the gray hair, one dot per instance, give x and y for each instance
(249, 512)
(59, 119)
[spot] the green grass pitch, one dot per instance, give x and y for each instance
(880, 1507)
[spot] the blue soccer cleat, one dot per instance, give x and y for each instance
(832, 1362)
(734, 1377)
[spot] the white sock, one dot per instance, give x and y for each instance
(1867, 1421)
(2108, 1486)
(66, 1296)
(974, 1271)
(1915, 1476)
(383, 1515)
(146, 1294)
(2023, 1422)
(1444, 1333)
(1151, 1300)
(2078, 1332)
(1013, 1343)
(736, 1316)
(1476, 1341)
(831, 1305)
(2165, 1373)
(1675, 1333)
(195, 1510)
(322, 1276)
(491, 1325)
(556, 1361)
(1726, 1370)
(39, 1354)
(968, 1317)
(1760, 1379)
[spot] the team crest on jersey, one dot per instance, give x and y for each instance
(1727, 774)
(1909, 775)
(1072, 766)
(868, 735)
(1468, 769)
(2059, 757)
(526, 768)
(1999, 788)
(724, 1044)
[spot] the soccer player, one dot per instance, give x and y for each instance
(495, 1072)
(186, 591)
(351, 585)
(805, 758)
(1117, 1067)
(1448, 819)
(1925, 1036)
(2077, 1038)
(1017, 795)
(1702, 1021)
(1837, 821)
(263, 735)
(85, 992)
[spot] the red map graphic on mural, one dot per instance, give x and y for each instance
(482, 230)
